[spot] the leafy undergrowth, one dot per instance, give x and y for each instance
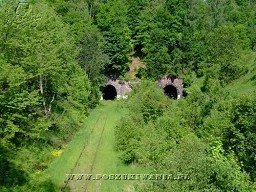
(209, 135)
(25, 172)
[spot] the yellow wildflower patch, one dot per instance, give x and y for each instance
(57, 153)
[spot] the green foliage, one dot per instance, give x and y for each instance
(128, 136)
(113, 22)
(208, 136)
(91, 56)
(88, 40)
(75, 14)
(134, 9)
(38, 183)
(40, 82)
(158, 32)
(46, 71)
(159, 138)
(179, 36)
(234, 122)
(241, 139)
(54, 59)
(148, 100)
(11, 173)
(146, 103)
(224, 46)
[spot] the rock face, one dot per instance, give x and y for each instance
(169, 84)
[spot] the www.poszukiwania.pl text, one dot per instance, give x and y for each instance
(78, 177)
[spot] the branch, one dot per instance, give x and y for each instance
(42, 92)
(50, 105)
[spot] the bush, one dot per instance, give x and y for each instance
(148, 100)
(234, 121)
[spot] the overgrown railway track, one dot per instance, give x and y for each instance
(92, 164)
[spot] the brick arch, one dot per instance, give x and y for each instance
(122, 88)
(168, 80)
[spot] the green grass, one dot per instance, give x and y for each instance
(244, 85)
(106, 161)
(62, 165)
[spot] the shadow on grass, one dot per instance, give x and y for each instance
(11, 175)
(253, 78)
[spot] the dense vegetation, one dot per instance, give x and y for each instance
(44, 91)
(212, 139)
(56, 55)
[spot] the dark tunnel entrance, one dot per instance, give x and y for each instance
(109, 92)
(171, 91)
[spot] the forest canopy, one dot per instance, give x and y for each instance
(56, 56)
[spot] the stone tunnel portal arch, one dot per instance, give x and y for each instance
(109, 92)
(171, 91)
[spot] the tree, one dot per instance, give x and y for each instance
(113, 23)
(91, 57)
(159, 35)
(39, 68)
